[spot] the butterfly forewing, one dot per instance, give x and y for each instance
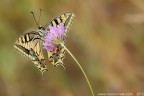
(56, 57)
(65, 18)
(29, 45)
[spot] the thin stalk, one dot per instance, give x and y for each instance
(80, 68)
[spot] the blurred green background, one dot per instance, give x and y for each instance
(107, 38)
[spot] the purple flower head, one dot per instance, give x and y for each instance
(54, 37)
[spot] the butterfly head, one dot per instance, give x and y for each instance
(41, 30)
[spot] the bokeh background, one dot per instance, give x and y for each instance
(107, 38)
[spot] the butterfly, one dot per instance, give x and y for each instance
(30, 44)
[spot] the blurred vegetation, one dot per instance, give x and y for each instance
(107, 38)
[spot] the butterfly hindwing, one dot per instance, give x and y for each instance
(56, 57)
(29, 45)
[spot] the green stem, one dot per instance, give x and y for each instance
(80, 68)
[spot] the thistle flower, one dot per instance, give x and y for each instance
(54, 37)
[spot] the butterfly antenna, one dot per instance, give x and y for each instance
(39, 16)
(34, 18)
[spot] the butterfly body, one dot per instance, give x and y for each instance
(30, 44)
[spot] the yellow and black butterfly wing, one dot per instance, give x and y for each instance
(66, 18)
(29, 45)
(56, 57)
